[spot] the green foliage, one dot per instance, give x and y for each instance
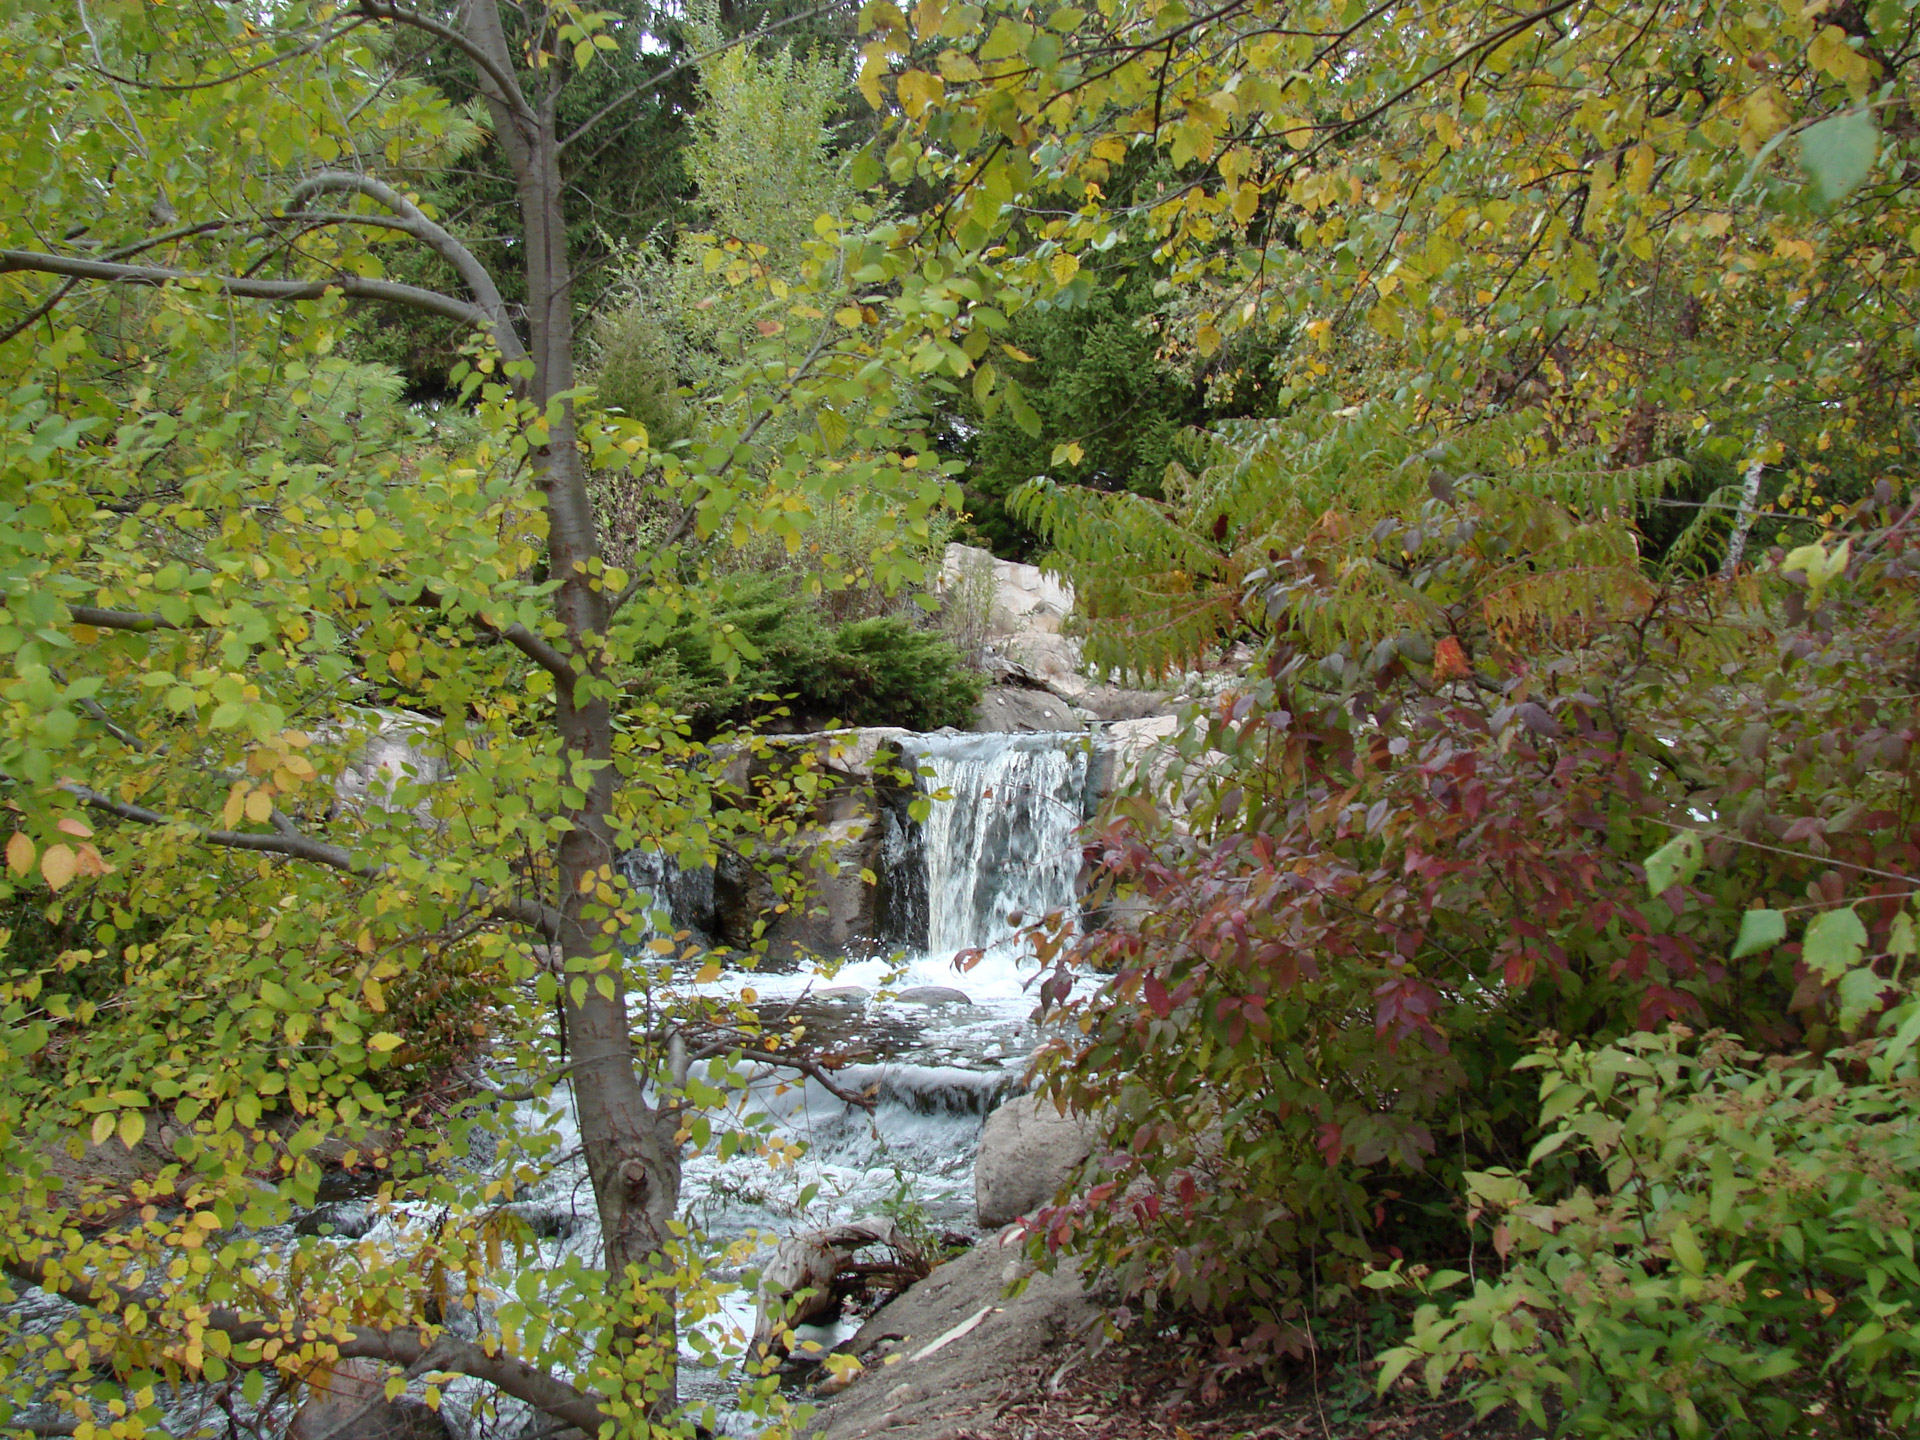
(1096, 383)
(1746, 1269)
(760, 160)
(1162, 580)
(224, 550)
(628, 183)
(782, 651)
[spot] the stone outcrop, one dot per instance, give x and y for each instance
(348, 1401)
(948, 1352)
(1014, 618)
(1028, 1151)
(1007, 707)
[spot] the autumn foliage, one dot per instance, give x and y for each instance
(1391, 862)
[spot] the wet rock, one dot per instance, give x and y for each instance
(348, 1220)
(843, 995)
(933, 995)
(1006, 708)
(1028, 1151)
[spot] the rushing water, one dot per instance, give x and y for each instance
(997, 851)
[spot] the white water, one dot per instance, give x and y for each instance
(997, 852)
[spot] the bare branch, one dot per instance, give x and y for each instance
(504, 81)
(45, 307)
(812, 1069)
(540, 651)
(288, 841)
(138, 621)
(414, 222)
(253, 288)
(295, 847)
(536, 649)
(310, 48)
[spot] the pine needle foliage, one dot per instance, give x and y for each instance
(1162, 581)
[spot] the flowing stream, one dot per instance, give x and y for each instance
(998, 850)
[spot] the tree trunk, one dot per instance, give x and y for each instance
(632, 1156)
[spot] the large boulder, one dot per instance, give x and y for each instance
(1028, 1150)
(1006, 707)
(936, 1361)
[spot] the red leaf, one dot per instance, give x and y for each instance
(1157, 998)
(1328, 1142)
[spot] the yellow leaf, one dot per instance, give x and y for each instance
(376, 996)
(58, 865)
(873, 64)
(1017, 353)
(19, 853)
(919, 91)
(1063, 267)
(133, 1124)
(235, 807)
(259, 805)
(1640, 170)
(1763, 115)
(102, 1127)
(709, 972)
(383, 1042)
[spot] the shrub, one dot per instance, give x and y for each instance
(1745, 1270)
(1414, 841)
(782, 650)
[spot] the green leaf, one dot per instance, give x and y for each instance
(1759, 930)
(1838, 154)
(1860, 992)
(1687, 1251)
(1834, 943)
(1674, 863)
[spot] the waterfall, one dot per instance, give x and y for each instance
(1001, 852)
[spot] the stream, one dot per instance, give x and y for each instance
(948, 1046)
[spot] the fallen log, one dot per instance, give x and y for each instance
(810, 1275)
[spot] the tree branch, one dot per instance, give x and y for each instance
(865, 1099)
(45, 307)
(288, 841)
(407, 1347)
(359, 287)
(540, 651)
(627, 97)
(413, 221)
(312, 47)
(295, 847)
(503, 79)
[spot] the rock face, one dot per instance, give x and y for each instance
(943, 1356)
(1007, 707)
(1028, 1150)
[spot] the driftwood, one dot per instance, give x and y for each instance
(812, 1275)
